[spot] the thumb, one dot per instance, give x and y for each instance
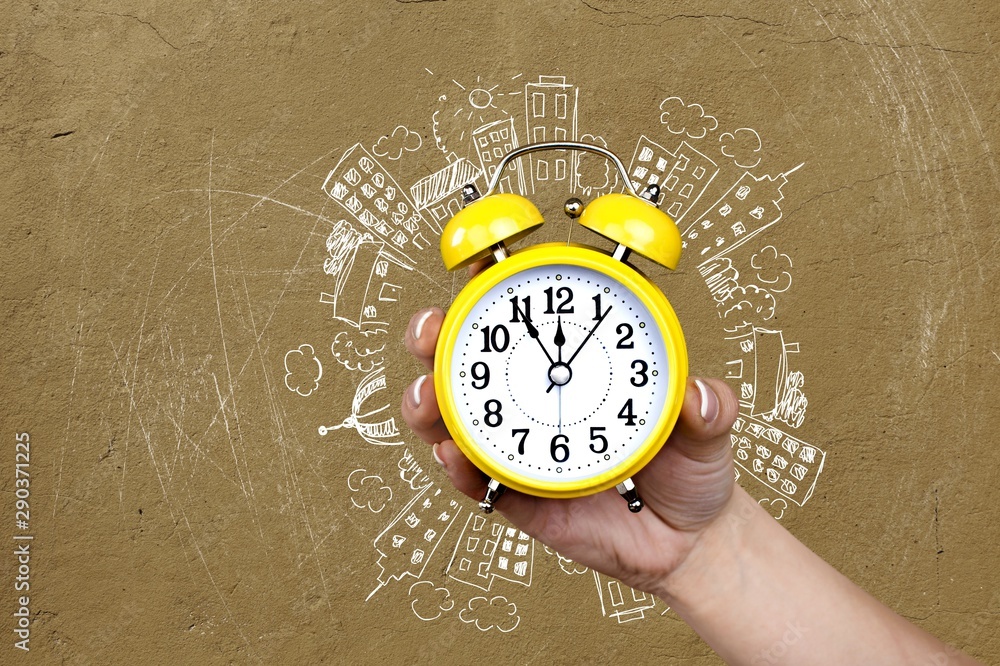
(710, 408)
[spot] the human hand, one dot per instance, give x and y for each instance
(685, 487)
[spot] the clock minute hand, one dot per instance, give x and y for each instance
(603, 316)
(589, 333)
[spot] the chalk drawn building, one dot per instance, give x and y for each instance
(366, 190)
(550, 110)
(621, 602)
(492, 141)
(487, 551)
(440, 194)
(408, 542)
(682, 174)
(368, 281)
(770, 392)
(750, 206)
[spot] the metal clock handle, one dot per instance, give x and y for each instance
(560, 145)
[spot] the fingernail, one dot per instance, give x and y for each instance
(415, 390)
(434, 450)
(418, 328)
(709, 401)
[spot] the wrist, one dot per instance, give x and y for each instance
(711, 568)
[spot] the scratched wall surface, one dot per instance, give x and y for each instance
(218, 218)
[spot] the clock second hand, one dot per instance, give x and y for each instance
(590, 333)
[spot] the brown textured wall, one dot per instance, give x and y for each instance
(166, 230)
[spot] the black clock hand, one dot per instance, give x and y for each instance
(560, 339)
(606, 312)
(533, 333)
(590, 333)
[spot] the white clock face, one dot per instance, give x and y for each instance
(560, 373)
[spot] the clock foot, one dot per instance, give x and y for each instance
(627, 490)
(493, 492)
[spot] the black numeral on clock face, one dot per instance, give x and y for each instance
(480, 373)
(523, 432)
(596, 436)
(493, 417)
(559, 449)
(495, 338)
(521, 308)
(564, 307)
(627, 414)
(640, 378)
(625, 330)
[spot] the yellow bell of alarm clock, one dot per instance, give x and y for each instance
(560, 370)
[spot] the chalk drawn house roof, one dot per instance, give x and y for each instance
(428, 191)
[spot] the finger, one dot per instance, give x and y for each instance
(478, 267)
(421, 412)
(465, 476)
(422, 334)
(710, 408)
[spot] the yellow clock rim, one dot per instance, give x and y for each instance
(647, 292)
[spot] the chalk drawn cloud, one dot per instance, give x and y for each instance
(358, 351)
(429, 602)
(742, 146)
(393, 145)
(751, 304)
(775, 507)
(689, 119)
(302, 370)
(489, 613)
(772, 269)
(368, 491)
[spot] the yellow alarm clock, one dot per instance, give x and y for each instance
(560, 370)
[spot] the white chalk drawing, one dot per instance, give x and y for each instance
(567, 565)
(688, 119)
(750, 206)
(462, 107)
(491, 142)
(358, 351)
(364, 188)
(550, 114)
(368, 491)
(742, 146)
(682, 174)
(594, 174)
(620, 602)
(372, 425)
(412, 472)
(487, 551)
(392, 145)
(775, 507)
(384, 228)
(771, 269)
(408, 543)
(367, 279)
(302, 370)
(429, 602)
(488, 613)
(440, 194)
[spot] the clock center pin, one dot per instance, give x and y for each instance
(560, 374)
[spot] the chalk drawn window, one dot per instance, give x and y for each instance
(661, 164)
(699, 172)
(561, 105)
(538, 134)
(560, 169)
(542, 170)
(538, 105)
(645, 154)
(742, 193)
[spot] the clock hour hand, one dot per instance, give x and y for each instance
(533, 333)
(589, 334)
